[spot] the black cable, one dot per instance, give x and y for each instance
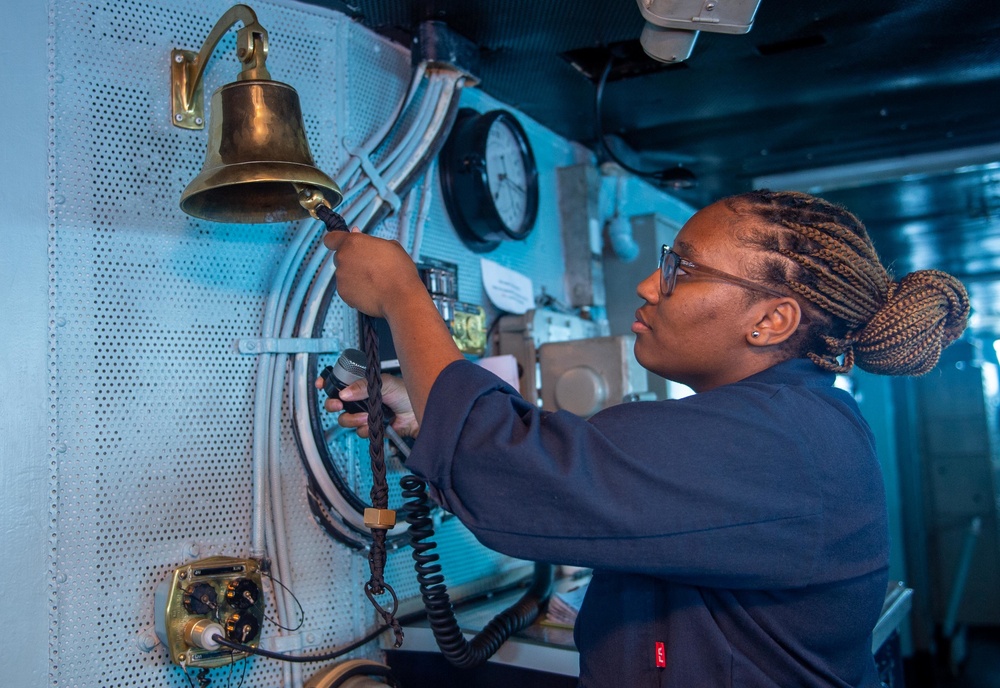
(326, 656)
(679, 177)
(440, 613)
(302, 612)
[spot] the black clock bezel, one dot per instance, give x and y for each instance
(466, 188)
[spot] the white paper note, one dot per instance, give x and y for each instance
(508, 290)
(504, 367)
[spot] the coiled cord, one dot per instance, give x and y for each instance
(456, 649)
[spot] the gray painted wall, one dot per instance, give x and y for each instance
(24, 449)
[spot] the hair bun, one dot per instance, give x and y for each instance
(923, 313)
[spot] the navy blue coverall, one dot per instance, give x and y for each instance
(744, 528)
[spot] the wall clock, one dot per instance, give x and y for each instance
(489, 179)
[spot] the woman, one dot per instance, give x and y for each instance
(739, 535)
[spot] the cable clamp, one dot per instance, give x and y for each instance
(283, 643)
(380, 519)
(252, 346)
(387, 194)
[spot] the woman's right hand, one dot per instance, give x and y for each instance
(394, 396)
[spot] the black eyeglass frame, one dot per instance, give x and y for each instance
(670, 261)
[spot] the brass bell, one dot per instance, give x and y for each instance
(258, 158)
(258, 167)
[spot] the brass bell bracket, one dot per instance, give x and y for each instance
(187, 67)
(311, 199)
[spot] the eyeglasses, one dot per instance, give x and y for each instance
(670, 262)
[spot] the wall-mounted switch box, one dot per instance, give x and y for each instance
(218, 596)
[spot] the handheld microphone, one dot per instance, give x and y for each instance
(348, 368)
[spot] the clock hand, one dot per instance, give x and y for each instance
(505, 178)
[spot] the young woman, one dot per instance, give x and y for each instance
(742, 530)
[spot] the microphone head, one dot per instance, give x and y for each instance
(350, 366)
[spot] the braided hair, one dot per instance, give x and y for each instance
(853, 307)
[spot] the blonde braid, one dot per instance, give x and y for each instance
(823, 254)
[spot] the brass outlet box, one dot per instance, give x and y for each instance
(215, 596)
(468, 328)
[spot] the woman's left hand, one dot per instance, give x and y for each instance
(394, 396)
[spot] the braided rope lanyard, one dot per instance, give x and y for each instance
(379, 517)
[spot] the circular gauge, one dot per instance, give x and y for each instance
(489, 179)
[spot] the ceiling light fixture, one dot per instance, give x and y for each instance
(672, 26)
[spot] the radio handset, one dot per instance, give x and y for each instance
(349, 368)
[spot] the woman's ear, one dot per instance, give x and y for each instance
(779, 321)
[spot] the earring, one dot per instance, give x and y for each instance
(755, 334)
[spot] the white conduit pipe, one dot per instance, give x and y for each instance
(268, 508)
(352, 178)
(407, 164)
(403, 218)
(286, 272)
(400, 161)
(399, 156)
(300, 382)
(283, 596)
(369, 198)
(425, 208)
(434, 88)
(378, 138)
(276, 296)
(261, 516)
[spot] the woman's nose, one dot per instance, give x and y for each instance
(649, 288)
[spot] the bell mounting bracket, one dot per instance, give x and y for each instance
(187, 67)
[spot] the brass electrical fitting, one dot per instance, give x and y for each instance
(383, 519)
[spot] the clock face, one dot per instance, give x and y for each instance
(506, 174)
(488, 179)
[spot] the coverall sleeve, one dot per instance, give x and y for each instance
(704, 491)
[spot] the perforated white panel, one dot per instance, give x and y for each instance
(151, 404)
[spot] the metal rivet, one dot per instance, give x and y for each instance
(147, 641)
(179, 117)
(178, 58)
(198, 120)
(61, 447)
(60, 578)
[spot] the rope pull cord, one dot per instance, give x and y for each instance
(376, 585)
(380, 486)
